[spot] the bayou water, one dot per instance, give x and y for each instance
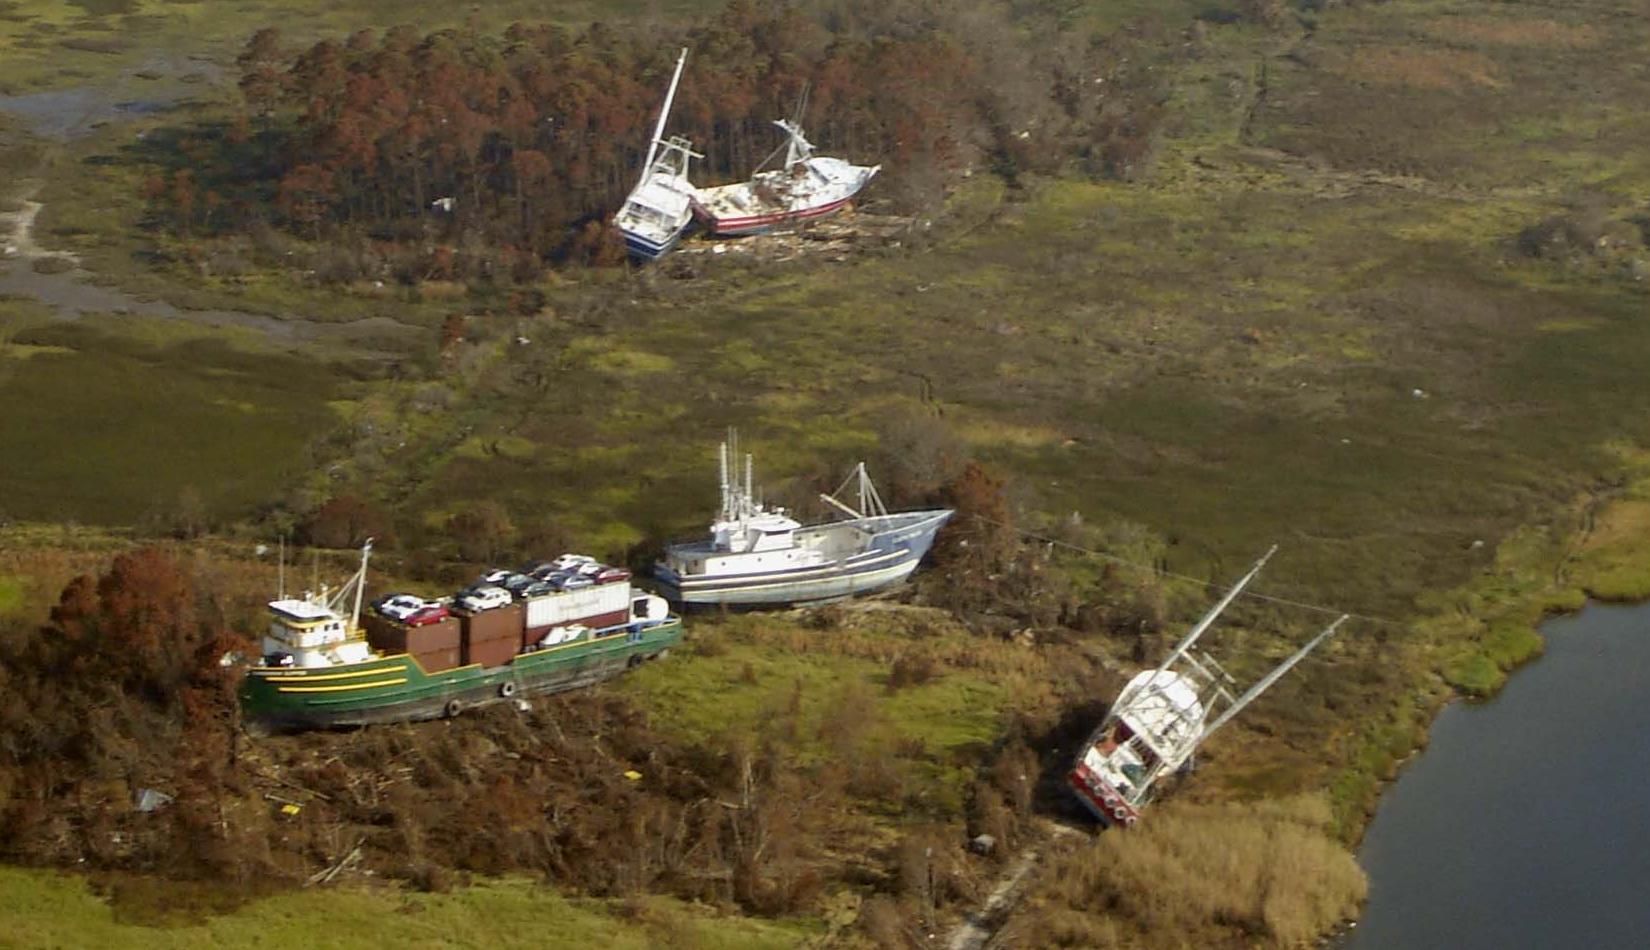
(1526, 822)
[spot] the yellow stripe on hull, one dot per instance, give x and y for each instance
(334, 689)
(303, 677)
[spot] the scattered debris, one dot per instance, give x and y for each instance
(325, 876)
(149, 799)
(835, 238)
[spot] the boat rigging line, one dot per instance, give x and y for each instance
(1162, 572)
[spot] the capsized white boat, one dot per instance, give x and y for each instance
(660, 207)
(1162, 716)
(807, 186)
(760, 555)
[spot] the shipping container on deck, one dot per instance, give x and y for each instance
(391, 636)
(437, 661)
(491, 653)
(599, 605)
(500, 625)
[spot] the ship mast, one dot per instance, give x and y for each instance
(1215, 611)
(664, 116)
(1272, 677)
(722, 467)
(360, 585)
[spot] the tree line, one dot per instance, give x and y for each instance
(498, 154)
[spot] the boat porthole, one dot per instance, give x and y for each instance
(453, 708)
(507, 689)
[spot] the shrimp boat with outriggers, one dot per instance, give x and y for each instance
(1162, 716)
(660, 207)
(322, 667)
(762, 556)
(807, 186)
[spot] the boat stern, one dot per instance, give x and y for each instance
(1101, 798)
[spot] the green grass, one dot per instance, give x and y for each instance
(750, 683)
(105, 426)
(12, 590)
(46, 909)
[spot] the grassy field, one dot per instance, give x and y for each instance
(759, 669)
(135, 421)
(46, 909)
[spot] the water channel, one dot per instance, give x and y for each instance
(1526, 822)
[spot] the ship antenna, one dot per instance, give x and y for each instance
(749, 467)
(315, 572)
(280, 567)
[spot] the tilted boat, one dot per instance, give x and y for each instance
(807, 186)
(322, 667)
(660, 207)
(1161, 717)
(760, 555)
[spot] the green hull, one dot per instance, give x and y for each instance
(396, 688)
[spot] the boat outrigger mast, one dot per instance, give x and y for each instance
(1163, 715)
(356, 585)
(664, 116)
(738, 495)
(870, 503)
(1273, 677)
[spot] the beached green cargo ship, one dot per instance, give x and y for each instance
(320, 668)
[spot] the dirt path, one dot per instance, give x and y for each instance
(20, 242)
(979, 927)
(71, 293)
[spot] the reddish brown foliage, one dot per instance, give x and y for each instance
(347, 520)
(122, 690)
(529, 138)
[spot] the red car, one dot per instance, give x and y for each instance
(429, 613)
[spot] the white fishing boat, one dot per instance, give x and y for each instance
(807, 186)
(660, 207)
(758, 555)
(1161, 717)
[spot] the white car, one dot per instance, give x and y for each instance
(486, 597)
(572, 562)
(495, 577)
(400, 606)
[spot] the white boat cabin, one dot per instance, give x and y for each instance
(314, 631)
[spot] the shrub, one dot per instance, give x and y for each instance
(1266, 873)
(912, 669)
